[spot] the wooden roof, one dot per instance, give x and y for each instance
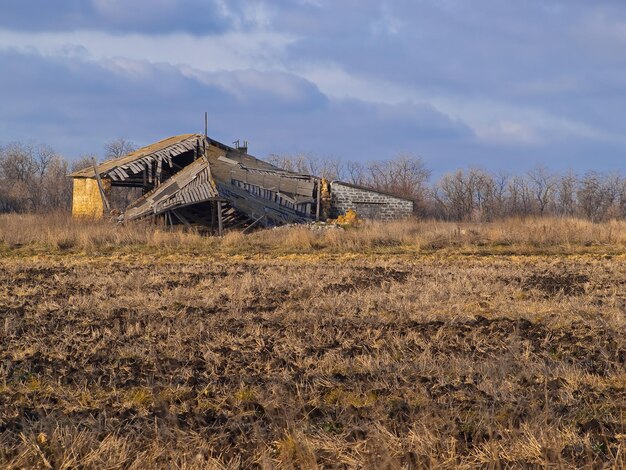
(176, 143)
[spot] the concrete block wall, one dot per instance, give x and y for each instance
(368, 203)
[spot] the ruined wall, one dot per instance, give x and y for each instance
(86, 199)
(368, 204)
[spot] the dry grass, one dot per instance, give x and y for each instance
(64, 233)
(430, 354)
(61, 233)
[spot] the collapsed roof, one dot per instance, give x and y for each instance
(192, 179)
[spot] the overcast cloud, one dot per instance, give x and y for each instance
(503, 85)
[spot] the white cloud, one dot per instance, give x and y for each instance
(229, 51)
(244, 84)
(509, 132)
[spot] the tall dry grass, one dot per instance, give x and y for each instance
(62, 232)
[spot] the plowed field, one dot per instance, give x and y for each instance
(132, 361)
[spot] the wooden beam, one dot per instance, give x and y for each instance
(253, 224)
(319, 201)
(213, 215)
(105, 201)
(220, 222)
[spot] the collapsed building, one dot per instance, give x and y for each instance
(194, 180)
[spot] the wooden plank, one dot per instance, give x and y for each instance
(220, 222)
(253, 223)
(135, 168)
(194, 195)
(227, 160)
(158, 171)
(100, 185)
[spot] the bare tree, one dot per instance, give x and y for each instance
(622, 199)
(32, 178)
(613, 193)
(473, 194)
(301, 163)
(86, 161)
(542, 185)
(331, 168)
(355, 172)
(17, 162)
(404, 175)
(57, 185)
(118, 148)
(325, 167)
(589, 195)
(499, 195)
(488, 194)
(566, 194)
(600, 196)
(455, 196)
(520, 198)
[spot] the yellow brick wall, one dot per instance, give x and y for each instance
(86, 199)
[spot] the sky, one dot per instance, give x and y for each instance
(491, 84)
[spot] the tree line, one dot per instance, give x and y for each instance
(33, 178)
(475, 194)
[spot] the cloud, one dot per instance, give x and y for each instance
(153, 17)
(76, 105)
(510, 132)
(361, 130)
(256, 88)
(464, 82)
(231, 50)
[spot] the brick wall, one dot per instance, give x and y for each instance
(367, 203)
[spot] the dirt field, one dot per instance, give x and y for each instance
(129, 359)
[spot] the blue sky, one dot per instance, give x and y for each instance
(486, 83)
